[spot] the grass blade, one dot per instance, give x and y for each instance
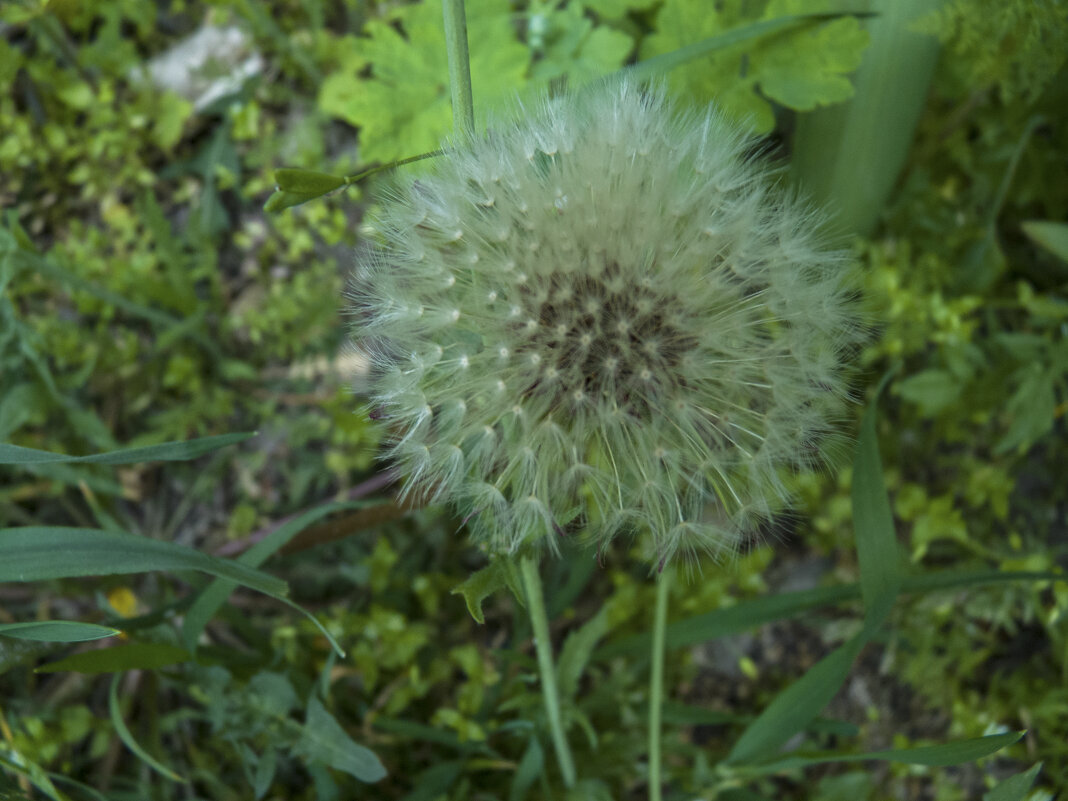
(164, 452)
(56, 631)
(39, 553)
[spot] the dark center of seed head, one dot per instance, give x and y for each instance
(601, 336)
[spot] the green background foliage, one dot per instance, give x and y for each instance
(146, 297)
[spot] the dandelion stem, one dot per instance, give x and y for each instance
(463, 107)
(656, 680)
(543, 645)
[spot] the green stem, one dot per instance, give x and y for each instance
(543, 646)
(463, 107)
(656, 681)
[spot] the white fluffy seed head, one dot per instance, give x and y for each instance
(664, 333)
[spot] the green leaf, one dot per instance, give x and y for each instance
(1014, 788)
(1032, 409)
(39, 553)
(576, 652)
(166, 452)
(796, 706)
(1053, 236)
(529, 769)
(323, 740)
(214, 595)
(128, 739)
(614, 9)
(577, 49)
(57, 631)
(784, 606)
(483, 583)
(931, 390)
(937, 756)
(404, 106)
(307, 181)
(133, 656)
(802, 57)
(873, 523)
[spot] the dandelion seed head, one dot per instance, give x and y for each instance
(613, 324)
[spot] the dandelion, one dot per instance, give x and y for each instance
(603, 319)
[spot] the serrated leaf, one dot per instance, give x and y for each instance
(133, 656)
(1032, 409)
(483, 583)
(804, 64)
(404, 107)
(165, 452)
(57, 631)
(323, 740)
(575, 48)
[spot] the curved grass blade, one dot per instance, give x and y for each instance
(797, 706)
(164, 452)
(39, 553)
(873, 522)
(214, 595)
(57, 631)
(784, 606)
(128, 738)
(935, 756)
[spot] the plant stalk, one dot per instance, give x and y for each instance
(656, 681)
(543, 646)
(463, 107)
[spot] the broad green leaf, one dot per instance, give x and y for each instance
(931, 390)
(873, 522)
(39, 553)
(166, 452)
(131, 656)
(800, 59)
(796, 706)
(483, 583)
(214, 595)
(1014, 788)
(1053, 236)
(128, 739)
(323, 740)
(404, 106)
(954, 753)
(56, 631)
